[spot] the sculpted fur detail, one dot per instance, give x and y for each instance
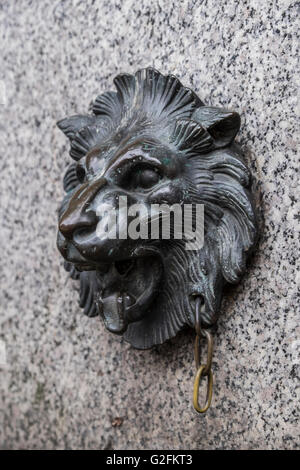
(154, 141)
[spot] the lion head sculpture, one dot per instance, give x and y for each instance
(154, 141)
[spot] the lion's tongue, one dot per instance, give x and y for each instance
(114, 311)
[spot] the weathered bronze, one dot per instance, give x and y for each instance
(154, 141)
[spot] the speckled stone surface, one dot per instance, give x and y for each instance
(66, 378)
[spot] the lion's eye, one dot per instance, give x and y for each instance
(80, 172)
(144, 178)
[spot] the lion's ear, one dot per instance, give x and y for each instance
(82, 132)
(221, 124)
(70, 125)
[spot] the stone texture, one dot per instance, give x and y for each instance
(66, 378)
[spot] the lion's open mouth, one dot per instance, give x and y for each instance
(128, 289)
(127, 286)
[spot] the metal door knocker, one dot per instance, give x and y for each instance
(146, 158)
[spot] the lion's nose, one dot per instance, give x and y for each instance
(70, 222)
(79, 214)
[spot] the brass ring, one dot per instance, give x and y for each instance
(197, 316)
(209, 389)
(197, 351)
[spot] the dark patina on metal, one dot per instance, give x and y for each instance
(154, 141)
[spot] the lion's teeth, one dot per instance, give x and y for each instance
(128, 300)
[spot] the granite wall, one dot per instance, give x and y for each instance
(66, 382)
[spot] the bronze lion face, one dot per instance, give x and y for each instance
(153, 141)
